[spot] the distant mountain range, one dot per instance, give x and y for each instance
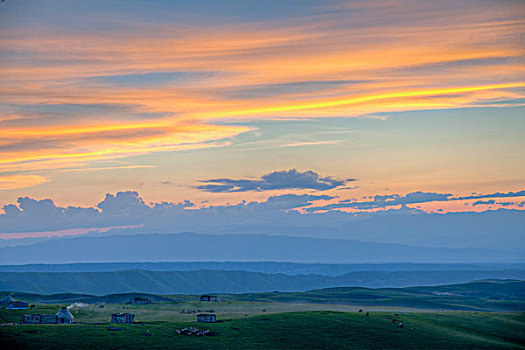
(218, 281)
(236, 247)
(501, 229)
(271, 267)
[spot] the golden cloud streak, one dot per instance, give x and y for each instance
(192, 138)
(364, 99)
(11, 182)
(62, 130)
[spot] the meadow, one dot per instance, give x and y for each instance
(255, 325)
(476, 315)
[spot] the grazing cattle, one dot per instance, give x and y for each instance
(400, 325)
(396, 315)
(32, 306)
(367, 314)
(360, 310)
(394, 321)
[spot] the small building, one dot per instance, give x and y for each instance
(17, 305)
(208, 298)
(39, 319)
(31, 319)
(47, 319)
(207, 318)
(139, 300)
(6, 300)
(64, 316)
(122, 318)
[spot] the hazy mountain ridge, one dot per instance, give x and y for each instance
(497, 229)
(271, 267)
(206, 247)
(217, 281)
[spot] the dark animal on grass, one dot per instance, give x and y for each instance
(32, 306)
(360, 310)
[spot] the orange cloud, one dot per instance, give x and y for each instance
(11, 182)
(424, 57)
(405, 96)
(97, 147)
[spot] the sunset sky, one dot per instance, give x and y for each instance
(222, 102)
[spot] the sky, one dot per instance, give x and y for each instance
(311, 106)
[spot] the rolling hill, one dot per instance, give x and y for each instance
(218, 281)
(483, 295)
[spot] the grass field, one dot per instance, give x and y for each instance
(488, 295)
(281, 326)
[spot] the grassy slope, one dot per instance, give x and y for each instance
(496, 295)
(328, 330)
(208, 281)
(493, 295)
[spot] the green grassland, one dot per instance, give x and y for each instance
(172, 311)
(289, 330)
(488, 295)
(492, 317)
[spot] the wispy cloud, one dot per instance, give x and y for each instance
(165, 86)
(11, 182)
(311, 143)
(101, 168)
(391, 200)
(489, 202)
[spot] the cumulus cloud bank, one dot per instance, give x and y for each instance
(277, 180)
(128, 208)
(128, 213)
